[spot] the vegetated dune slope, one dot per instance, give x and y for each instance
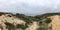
(10, 21)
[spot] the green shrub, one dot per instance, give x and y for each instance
(48, 20)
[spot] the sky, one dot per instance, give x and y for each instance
(30, 7)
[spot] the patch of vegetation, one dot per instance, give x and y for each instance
(48, 20)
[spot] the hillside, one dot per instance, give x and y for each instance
(9, 21)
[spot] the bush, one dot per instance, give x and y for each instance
(48, 20)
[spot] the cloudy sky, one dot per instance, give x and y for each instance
(30, 7)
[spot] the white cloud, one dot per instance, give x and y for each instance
(30, 6)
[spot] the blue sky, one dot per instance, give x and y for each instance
(30, 7)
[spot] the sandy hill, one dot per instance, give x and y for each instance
(49, 21)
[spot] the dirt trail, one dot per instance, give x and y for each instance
(34, 26)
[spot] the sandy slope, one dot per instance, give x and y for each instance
(55, 22)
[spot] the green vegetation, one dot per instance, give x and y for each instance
(48, 20)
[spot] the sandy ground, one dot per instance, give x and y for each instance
(0, 28)
(55, 22)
